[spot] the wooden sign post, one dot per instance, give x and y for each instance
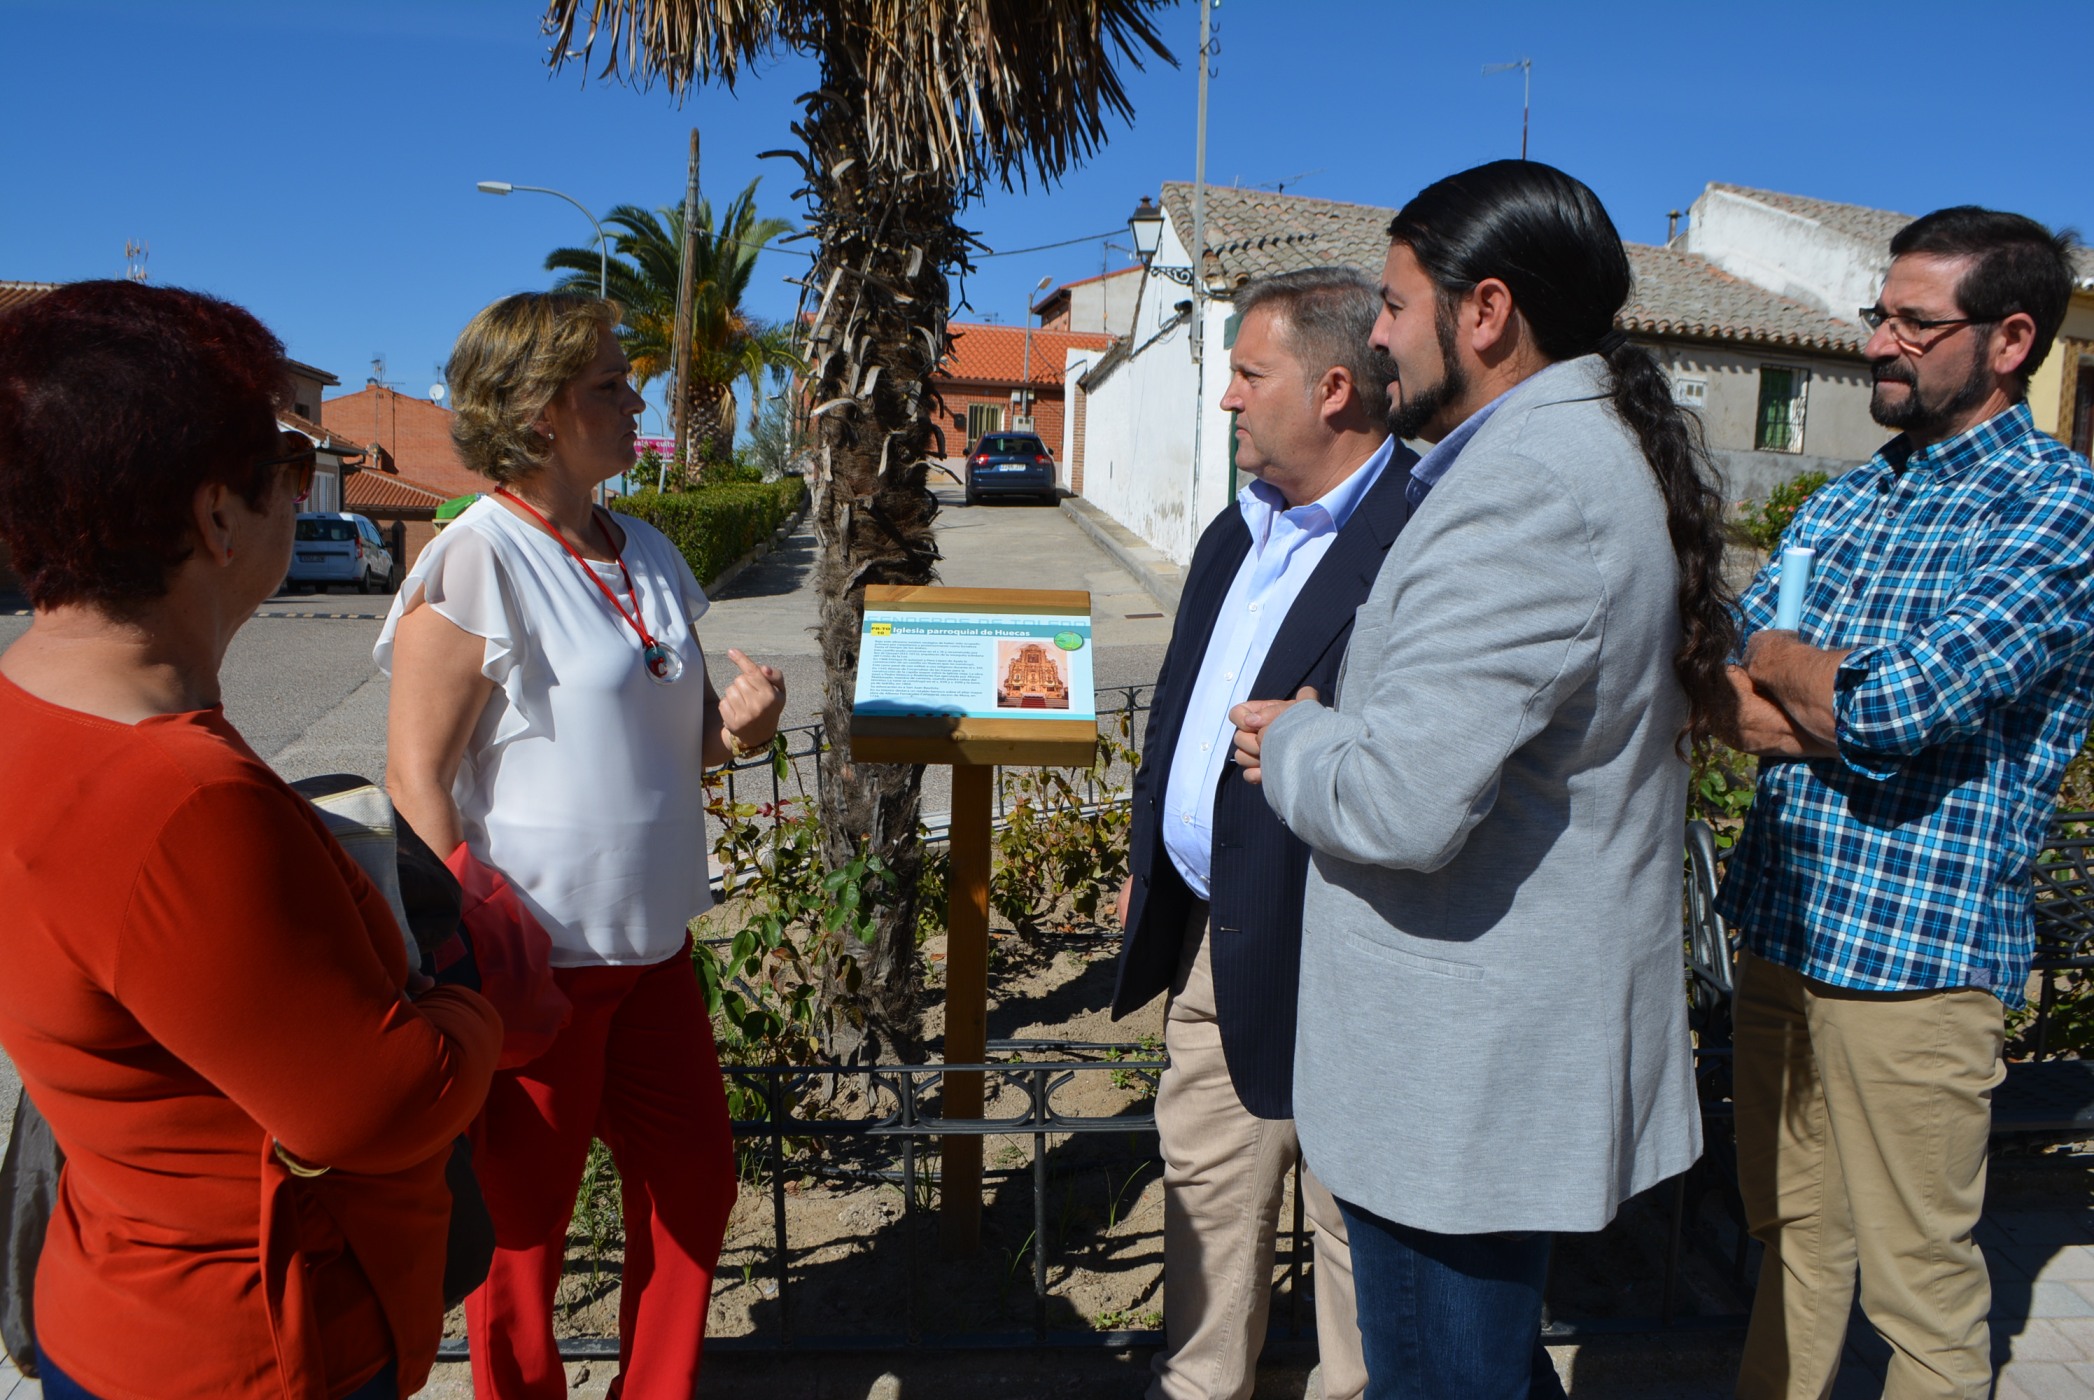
(972, 678)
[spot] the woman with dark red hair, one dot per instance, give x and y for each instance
(205, 996)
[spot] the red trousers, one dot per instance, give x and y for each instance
(635, 1067)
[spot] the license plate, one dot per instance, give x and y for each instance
(312, 558)
(1012, 467)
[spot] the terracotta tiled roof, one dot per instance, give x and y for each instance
(324, 437)
(1256, 233)
(1685, 294)
(376, 490)
(14, 294)
(996, 354)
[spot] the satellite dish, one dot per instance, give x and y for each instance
(436, 392)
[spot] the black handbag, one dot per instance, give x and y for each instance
(427, 901)
(28, 1194)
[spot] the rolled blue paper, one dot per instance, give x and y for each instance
(1796, 565)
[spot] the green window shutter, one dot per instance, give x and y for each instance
(1776, 428)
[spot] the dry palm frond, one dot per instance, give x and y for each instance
(1003, 87)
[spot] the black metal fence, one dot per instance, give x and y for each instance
(882, 1125)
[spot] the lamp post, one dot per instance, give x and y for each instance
(603, 260)
(1145, 224)
(1026, 375)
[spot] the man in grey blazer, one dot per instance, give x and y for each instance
(1492, 1043)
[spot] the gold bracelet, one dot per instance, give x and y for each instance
(297, 1165)
(736, 747)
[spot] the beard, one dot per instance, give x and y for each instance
(1917, 413)
(1410, 412)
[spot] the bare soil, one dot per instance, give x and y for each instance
(865, 1264)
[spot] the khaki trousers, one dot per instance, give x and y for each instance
(1224, 1173)
(1863, 1120)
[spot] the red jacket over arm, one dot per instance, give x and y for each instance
(195, 970)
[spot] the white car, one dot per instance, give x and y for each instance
(338, 547)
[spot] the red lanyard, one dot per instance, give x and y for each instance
(647, 642)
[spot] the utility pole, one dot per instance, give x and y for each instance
(1199, 263)
(680, 350)
(1025, 376)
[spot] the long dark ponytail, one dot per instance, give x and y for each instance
(1548, 238)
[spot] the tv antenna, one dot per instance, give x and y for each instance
(1280, 185)
(1526, 67)
(135, 254)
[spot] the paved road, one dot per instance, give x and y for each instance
(300, 685)
(769, 610)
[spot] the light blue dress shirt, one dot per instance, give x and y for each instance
(1427, 470)
(1286, 547)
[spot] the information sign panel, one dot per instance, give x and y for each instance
(975, 675)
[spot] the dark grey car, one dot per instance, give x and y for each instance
(1010, 464)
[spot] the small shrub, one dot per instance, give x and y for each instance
(1719, 790)
(1763, 522)
(1051, 848)
(715, 526)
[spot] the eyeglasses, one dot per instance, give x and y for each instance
(1903, 329)
(297, 452)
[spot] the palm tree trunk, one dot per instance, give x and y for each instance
(878, 294)
(709, 419)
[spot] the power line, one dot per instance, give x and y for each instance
(774, 247)
(1065, 243)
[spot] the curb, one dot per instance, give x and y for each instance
(778, 537)
(1159, 577)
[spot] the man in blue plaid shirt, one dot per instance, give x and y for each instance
(1912, 733)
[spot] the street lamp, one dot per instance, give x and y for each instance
(1045, 283)
(603, 261)
(1146, 224)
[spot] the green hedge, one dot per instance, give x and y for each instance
(716, 525)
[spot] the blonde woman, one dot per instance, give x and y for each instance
(551, 719)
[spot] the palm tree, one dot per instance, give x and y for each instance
(727, 345)
(918, 103)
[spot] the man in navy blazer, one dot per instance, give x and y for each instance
(1212, 907)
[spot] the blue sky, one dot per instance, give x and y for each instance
(315, 159)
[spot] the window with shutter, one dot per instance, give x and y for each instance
(1778, 426)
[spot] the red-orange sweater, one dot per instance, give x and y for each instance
(191, 969)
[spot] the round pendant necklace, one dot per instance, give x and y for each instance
(663, 663)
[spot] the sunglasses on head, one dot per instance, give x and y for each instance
(296, 451)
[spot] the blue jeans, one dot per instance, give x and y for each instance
(60, 1386)
(1450, 1317)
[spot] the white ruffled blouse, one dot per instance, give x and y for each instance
(582, 782)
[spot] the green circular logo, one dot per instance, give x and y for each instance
(1069, 641)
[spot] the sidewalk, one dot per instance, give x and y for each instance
(2040, 1249)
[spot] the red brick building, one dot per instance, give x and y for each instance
(415, 468)
(982, 382)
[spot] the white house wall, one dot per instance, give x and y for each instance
(1137, 451)
(1837, 429)
(1138, 458)
(1075, 364)
(1786, 253)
